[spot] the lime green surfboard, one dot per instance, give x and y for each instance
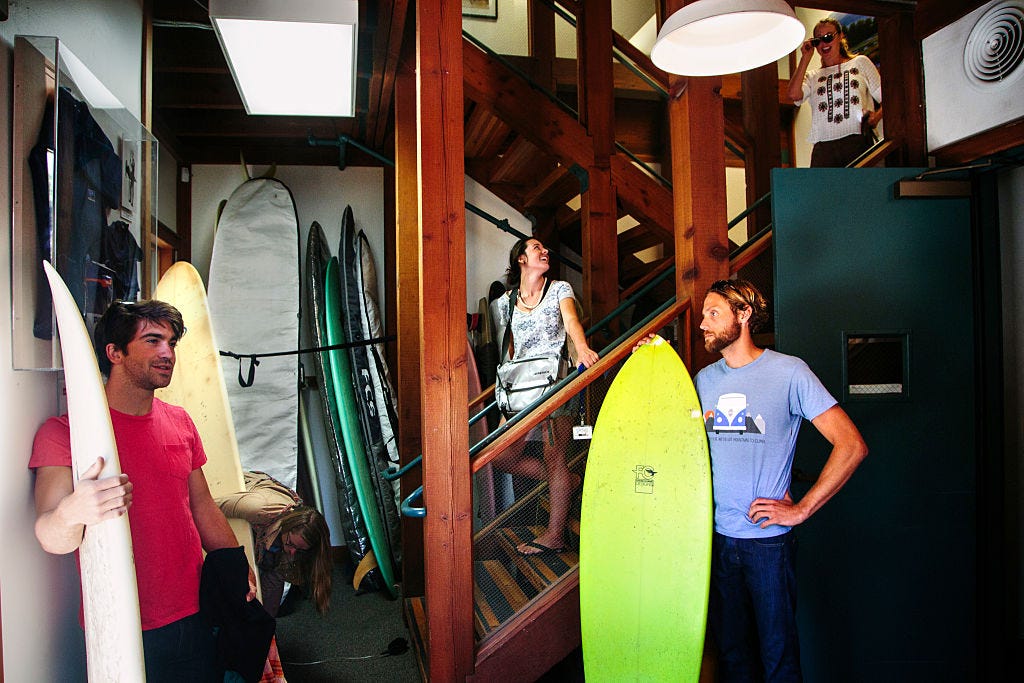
(645, 526)
(355, 451)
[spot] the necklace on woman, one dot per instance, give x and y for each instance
(541, 296)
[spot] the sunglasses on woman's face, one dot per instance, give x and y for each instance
(827, 38)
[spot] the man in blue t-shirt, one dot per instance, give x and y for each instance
(754, 401)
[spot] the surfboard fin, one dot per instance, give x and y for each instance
(366, 565)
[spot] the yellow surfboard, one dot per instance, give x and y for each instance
(645, 526)
(198, 387)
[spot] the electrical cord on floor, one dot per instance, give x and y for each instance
(397, 646)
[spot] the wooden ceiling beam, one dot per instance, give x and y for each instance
(647, 202)
(490, 83)
(208, 90)
(386, 52)
(638, 238)
(196, 123)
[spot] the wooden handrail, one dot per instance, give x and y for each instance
(877, 154)
(522, 428)
(751, 252)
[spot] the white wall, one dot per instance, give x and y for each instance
(38, 592)
(321, 194)
(802, 121)
(487, 247)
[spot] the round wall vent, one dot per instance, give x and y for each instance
(995, 46)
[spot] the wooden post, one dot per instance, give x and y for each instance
(147, 212)
(542, 44)
(599, 213)
(902, 73)
(697, 131)
(407, 313)
(761, 121)
(448, 525)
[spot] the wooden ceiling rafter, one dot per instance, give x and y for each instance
(386, 54)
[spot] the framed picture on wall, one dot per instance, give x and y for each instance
(486, 9)
(130, 170)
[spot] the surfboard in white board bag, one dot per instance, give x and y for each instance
(253, 295)
(110, 595)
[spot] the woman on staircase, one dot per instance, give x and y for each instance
(544, 313)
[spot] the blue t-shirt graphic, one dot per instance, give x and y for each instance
(753, 415)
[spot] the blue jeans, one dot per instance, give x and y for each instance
(752, 608)
(183, 650)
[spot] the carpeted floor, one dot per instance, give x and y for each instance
(317, 647)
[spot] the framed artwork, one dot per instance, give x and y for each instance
(485, 9)
(130, 170)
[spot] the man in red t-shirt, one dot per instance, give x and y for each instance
(172, 515)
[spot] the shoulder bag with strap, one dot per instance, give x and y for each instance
(522, 381)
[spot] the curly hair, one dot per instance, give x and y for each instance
(742, 295)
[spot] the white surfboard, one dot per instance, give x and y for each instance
(110, 596)
(254, 305)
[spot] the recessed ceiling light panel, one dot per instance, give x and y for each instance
(290, 58)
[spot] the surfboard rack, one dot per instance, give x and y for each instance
(408, 510)
(254, 357)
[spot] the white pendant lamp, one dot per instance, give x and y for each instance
(715, 37)
(290, 58)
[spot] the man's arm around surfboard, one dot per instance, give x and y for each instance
(63, 512)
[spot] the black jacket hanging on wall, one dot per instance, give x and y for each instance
(83, 197)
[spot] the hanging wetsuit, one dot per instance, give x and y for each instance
(82, 199)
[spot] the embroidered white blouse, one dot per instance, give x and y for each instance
(840, 97)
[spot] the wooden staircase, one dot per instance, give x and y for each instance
(509, 586)
(533, 154)
(506, 584)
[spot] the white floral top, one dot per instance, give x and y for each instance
(840, 97)
(540, 331)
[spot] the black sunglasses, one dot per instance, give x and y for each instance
(827, 38)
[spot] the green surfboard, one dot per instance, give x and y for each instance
(355, 451)
(645, 526)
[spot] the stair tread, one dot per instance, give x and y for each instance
(539, 570)
(496, 596)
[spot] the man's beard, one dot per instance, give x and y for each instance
(717, 342)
